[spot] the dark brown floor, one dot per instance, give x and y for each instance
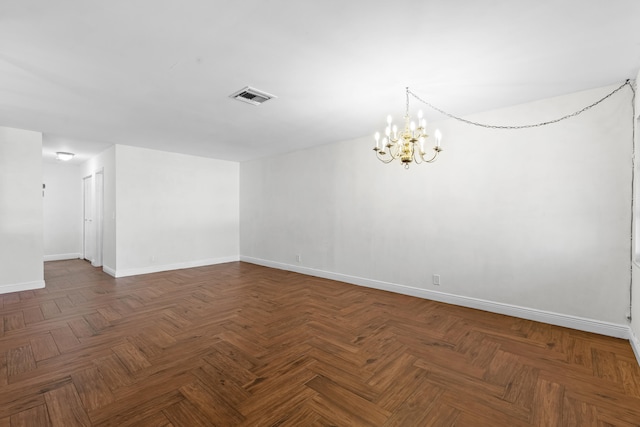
(242, 345)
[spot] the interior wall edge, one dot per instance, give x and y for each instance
(558, 319)
(18, 287)
(635, 344)
(109, 270)
(168, 267)
(62, 257)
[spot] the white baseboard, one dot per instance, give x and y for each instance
(558, 319)
(635, 344)
(167, 267)
(61, 257)
(17, 287)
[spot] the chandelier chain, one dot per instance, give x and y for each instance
(407, 106)
(568, 116)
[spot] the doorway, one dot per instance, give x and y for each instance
(88, 245)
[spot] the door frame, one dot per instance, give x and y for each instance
(98, 216)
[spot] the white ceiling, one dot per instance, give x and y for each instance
(158, 73)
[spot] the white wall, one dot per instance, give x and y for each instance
(174, 211)
(530, 222)
(635, 304)
(21, 244)
(62, 210)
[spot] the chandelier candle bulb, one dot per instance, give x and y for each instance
(438, 137)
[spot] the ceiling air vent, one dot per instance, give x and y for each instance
(252, 96)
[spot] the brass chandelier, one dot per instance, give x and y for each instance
(408, 146)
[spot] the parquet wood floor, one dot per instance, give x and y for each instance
(242, 345)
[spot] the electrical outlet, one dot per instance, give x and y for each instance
(436, 279)
(298, 258)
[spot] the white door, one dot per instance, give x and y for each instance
(89, 239)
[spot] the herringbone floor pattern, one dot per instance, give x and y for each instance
(242, 345)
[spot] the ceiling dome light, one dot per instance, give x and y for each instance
(61, 155)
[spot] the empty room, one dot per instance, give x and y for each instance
(319, 213)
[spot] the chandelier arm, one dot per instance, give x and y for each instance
(432, 159)
(385, 161)
(397, 154)
(417, 156)
(382, 159)
(568, 116)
